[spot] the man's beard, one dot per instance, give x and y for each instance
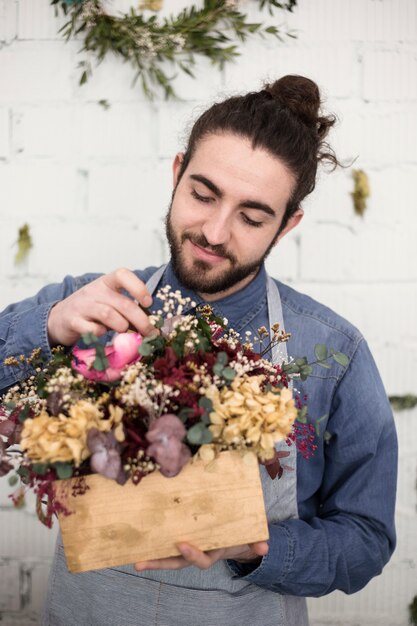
(196, 278)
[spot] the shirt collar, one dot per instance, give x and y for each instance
(235, 307)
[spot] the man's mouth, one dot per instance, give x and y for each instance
(204, 254)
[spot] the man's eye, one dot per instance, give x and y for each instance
(248, 220)
(199, 197)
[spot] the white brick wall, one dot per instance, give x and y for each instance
(98, 181)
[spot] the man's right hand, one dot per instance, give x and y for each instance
(99, 307)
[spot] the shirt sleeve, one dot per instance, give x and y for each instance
(23, 326)
(352, 535)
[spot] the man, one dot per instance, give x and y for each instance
(249, 163)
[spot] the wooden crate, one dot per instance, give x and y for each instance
(211, 507)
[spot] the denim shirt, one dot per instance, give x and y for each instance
(345, 533)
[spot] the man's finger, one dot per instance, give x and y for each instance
(261, 548)
(196, 557)
(123, 278)
(174, 562)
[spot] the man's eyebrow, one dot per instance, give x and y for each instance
(247, 204)
(261, 206)
(208, 183)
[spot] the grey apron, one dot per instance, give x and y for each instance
(189, 597)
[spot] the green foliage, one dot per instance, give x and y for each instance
(402, 403)
(304, 369)
(412, 608)
(63, 470)
(24, 244)
(40, 468)
(148, 43)
(199, 434)
(12, 480)
(101, 362)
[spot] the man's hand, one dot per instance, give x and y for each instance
(99, 307)
(193, 556)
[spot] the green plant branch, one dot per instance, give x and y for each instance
(147, 43)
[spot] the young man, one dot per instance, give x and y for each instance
(249, 163)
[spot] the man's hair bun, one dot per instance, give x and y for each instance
(301, 96)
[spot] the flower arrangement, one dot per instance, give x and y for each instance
(141, 404)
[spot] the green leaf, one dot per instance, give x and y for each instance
(218, 369)
(24, 244)
(12, 480)
(290, 368)
(63, 470)
(320, 350)
(325, 365)
(222, 358)
(305, 371)
(84, 78)
(185, 413)
(341, 358)
(206, 404)
(301, 361)
(318, 423)
(89, 339)
(40, 468)
(24, 413)
(229, 373)
(199, 434)
(23, 472)
(302, 416)
(327, 436)
(145, 349)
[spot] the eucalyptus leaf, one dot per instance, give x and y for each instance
(341, 358)
(40, 468)
(24, 413)
(218, 369)
(229, 373)
(145, 349)
(222, 358)
(63, 470)
(185, 413)
(205, 403)
(12, 480)
(320, 350)
(301, 361)
(23, 472)
(199, 434)
(325, 365)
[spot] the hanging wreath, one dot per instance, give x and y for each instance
(148, 42)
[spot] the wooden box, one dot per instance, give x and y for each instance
(211, 507)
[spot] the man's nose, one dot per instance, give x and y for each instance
(217, 229)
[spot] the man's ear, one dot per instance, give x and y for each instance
(176, 167)
(294, 220)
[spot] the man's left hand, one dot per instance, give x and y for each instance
(193, 556)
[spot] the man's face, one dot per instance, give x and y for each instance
(225, 214)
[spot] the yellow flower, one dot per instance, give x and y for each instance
(246, 417)
(47, 439)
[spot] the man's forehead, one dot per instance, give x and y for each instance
(222, 157)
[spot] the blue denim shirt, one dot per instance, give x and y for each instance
(346, 492)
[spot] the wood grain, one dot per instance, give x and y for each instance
(211, 507)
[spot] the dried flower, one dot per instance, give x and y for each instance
(47, 439)
(246, 416)
(166, 434)
(105, 458)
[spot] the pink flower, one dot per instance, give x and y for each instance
(166, 434)
(105, 458)
(121, 352)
